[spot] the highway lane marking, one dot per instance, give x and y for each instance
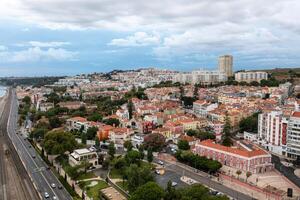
(52, 176)
(29, 153)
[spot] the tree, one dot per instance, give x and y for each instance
(128, 145)
(141, 150)
(137, 176)
(226, 136)
(130, 108)
(111, 149)
(38, 133)
(171, 193)
(249, 123)
(27, 100)
(149, 155)
(58, 142)
(248, 174)
(254, 83)
(112, 121)
(55, 122)
(155, 141)
(196, 88)
(97, 142)
(53, 97)
(183, 145)
(133, 157)
(91, 132)
(95, 117)
(238, 172)
(83, 138)
(148, 191)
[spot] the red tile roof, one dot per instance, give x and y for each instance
(237, 151)
(296, 114)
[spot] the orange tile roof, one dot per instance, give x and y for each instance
(296, 114)
(79, 119)
(237, 151)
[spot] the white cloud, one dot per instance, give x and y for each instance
(47, 44)
(138, 39)
(35, 54)
(241, 27)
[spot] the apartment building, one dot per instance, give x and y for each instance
(205, 77)
(249, 76)
(225, 65)
(293, 136)
(202, 107)
(272, 130)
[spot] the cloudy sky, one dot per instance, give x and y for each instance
(51, 37)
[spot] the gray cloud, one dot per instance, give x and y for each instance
(206, 27)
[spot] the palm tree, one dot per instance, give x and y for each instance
(248, 174)
(238, 172)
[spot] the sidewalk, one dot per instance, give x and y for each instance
(266, 180)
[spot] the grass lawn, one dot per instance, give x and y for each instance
(87, 175)
(93, 191)
(115, 174)
(123, 185)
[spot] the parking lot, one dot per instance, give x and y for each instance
(162, 180)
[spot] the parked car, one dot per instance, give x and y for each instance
(46, 195)
(160, 162)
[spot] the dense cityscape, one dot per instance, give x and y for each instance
(158, 134)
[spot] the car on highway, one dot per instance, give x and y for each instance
(33, 156)
(54, 198)
(46, 195)
(59, 187)
(160, 162)
(53, 185)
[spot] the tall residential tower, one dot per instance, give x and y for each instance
(225, 65)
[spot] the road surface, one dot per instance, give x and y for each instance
(203, 178)
(15, 182)
(35, 166)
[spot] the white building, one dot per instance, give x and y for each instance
(204, 77)
(272, 131)
(202, 107)
(80, 155)
(250, 76)
(293, 136)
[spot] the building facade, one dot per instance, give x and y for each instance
(205, 77)
(293, 136)
(241, 157)
(250, 76)
(225, 65)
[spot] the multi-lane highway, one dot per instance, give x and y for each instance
(40, 175)
(14, 182)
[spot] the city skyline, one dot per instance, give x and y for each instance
(83, 37)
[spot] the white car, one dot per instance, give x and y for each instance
(46, 195)
(174, 183)
(54, 198)
(157, 172)
(53, 185)
(160, 162)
